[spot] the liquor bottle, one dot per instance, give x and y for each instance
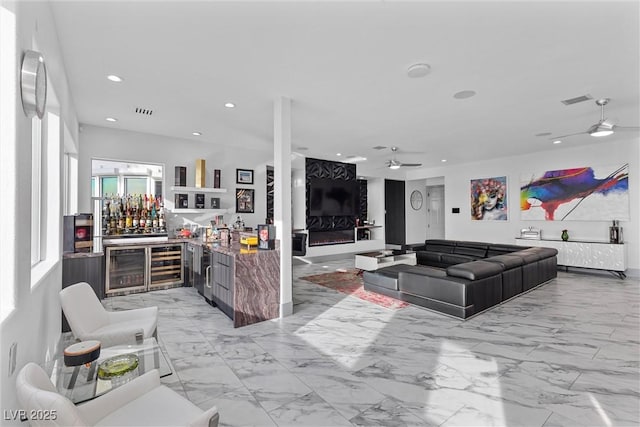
(143, 220)
(136, 219)
(128, 225)
(148, 223)
(112, 216)
(161, 223)
(154, 218)
(120, 227)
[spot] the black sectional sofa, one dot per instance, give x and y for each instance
(469, 277)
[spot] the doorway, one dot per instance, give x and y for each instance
(394, 219)
(435, 212)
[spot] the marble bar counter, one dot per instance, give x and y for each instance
(245, 285)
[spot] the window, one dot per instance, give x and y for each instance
(109, 186)
(46, 184)
(135, 185)
(36, 190)
(70, 196)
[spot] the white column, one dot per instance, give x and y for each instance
(282, 197)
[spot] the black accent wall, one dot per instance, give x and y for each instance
(363, 210)
(270, 195)
(338, 171)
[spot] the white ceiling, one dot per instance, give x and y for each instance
(344, 67)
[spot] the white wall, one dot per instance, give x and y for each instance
(113, 144)
(34, 322)
(606, 152)
(416, 220)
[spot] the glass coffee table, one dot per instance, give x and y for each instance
(82, 383)
(370, 261)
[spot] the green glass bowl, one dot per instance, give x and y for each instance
(117, 366)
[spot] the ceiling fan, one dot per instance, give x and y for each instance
(395, 164)
(604, 127)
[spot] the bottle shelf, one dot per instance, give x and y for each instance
(189, 210)
(198, 189)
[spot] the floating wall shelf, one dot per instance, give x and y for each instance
(198, 190)
(208, 211)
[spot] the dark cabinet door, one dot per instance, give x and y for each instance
(394, 219)
(223, 279)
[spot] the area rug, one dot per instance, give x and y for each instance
(349, 282)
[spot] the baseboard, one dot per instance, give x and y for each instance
(286, 309)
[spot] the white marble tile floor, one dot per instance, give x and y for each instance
(565, 354)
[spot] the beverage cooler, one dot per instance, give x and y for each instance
(78, 233)
(131, 269)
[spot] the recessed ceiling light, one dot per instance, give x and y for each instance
(443, 160)
(111, 119)
(463, 94)
(114, 78)
(338, 154)
(196, 133)
(418, 70)
(230, 105)
(557, 141)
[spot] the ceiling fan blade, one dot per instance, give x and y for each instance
(565, 136)
(410, 164)
(625, 128)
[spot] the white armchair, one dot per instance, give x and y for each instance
(90, 321)
(141, 402)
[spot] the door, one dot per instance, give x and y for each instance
(435, 212)
(394, 218)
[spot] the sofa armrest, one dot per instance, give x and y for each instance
(415, 247)
(98, 408)
(209, 418)
(124, 334)
(134, 314)
(475, 270)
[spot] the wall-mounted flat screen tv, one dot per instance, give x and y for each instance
(329, 197)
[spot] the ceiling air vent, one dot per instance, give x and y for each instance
(576, 100)
(379, 147)
(144, 111)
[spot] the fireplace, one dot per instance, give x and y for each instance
(331, 237)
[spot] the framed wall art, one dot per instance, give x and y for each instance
(489, 199)
(244, 200)
(244, 176)
(590, 193)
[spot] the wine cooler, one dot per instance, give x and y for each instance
(131, 269)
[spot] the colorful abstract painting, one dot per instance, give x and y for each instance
(586, 193)
(489, 199)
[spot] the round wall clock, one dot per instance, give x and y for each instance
(416, 200)
(33, 84)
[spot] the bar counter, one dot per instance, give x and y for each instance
(245, 284)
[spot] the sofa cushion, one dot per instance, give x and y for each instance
(441, 246)
(498, 249)
(452, 259)
(387, 277)
(424, 257)
(474, 270)
(546, 252)
(475, 249)
(450, 290)
(527, 255)
(507, 261)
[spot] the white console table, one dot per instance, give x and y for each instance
(586, 254)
